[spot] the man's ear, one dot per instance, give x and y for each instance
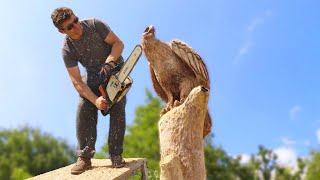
(61, 31)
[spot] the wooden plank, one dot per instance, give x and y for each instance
(144, 170)
(101, 169)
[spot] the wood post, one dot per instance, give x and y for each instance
(181, 138)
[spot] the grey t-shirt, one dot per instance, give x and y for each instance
(90, 50)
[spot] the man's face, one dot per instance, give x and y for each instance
(71, 27)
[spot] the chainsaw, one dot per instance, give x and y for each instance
(119, 83)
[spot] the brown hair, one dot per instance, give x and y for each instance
(61, 15)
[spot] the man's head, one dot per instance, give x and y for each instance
(66, 22)
(61, 15)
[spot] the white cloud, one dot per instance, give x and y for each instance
(258, 20)
(245, 158)
(287, 141)
(245, 48)
(290, 142)
(248, 43)
(318, 135)
(294, 111)
(286, 156)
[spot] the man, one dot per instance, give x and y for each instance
(93, 44)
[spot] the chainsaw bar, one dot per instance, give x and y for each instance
(116, 82)
(129, 64)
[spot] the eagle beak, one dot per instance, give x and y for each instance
(204, 89)
(149, 29)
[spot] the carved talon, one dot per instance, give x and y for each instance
(165, 110)
(162, 112)
(176, 103)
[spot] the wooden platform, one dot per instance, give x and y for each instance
(101, 169)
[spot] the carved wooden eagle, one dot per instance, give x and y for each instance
(175, 70)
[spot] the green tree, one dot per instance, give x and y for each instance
(220, 166)
(19, 173)
(265, 162)
(28, 152)
(313, 170)
(286, 173)
(217, 163)
(301, 169)
(245, 171)
(283, 173)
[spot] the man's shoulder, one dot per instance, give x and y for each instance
(88, 20)
(66, 44)
(91, 22)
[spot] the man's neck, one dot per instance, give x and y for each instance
(77, 36)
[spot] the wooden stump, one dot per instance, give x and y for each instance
(181, 138)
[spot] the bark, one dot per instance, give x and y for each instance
(181, 138)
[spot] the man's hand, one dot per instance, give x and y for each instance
(111, 63)
(101, 103)
(107, 70)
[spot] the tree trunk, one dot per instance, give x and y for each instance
(181, 138)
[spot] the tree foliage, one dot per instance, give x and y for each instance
(217, 163)
(284, 173)
(245, 171)
(27, 152)
(313, 171)
(221, 166)
(265, 162)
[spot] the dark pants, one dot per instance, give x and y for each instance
(87, 116)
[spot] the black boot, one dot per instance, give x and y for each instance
(117, 161)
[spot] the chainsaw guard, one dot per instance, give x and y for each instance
(125, 88)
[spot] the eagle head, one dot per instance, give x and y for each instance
(149, 31)
(148, 36)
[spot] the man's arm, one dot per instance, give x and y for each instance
(117, 46)
(84, 90)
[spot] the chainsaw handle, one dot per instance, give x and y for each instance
(104, 95)
(104, 112)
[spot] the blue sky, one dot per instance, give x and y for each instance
(262, 57)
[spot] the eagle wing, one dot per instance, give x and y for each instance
(157, 87)
(192, 59)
